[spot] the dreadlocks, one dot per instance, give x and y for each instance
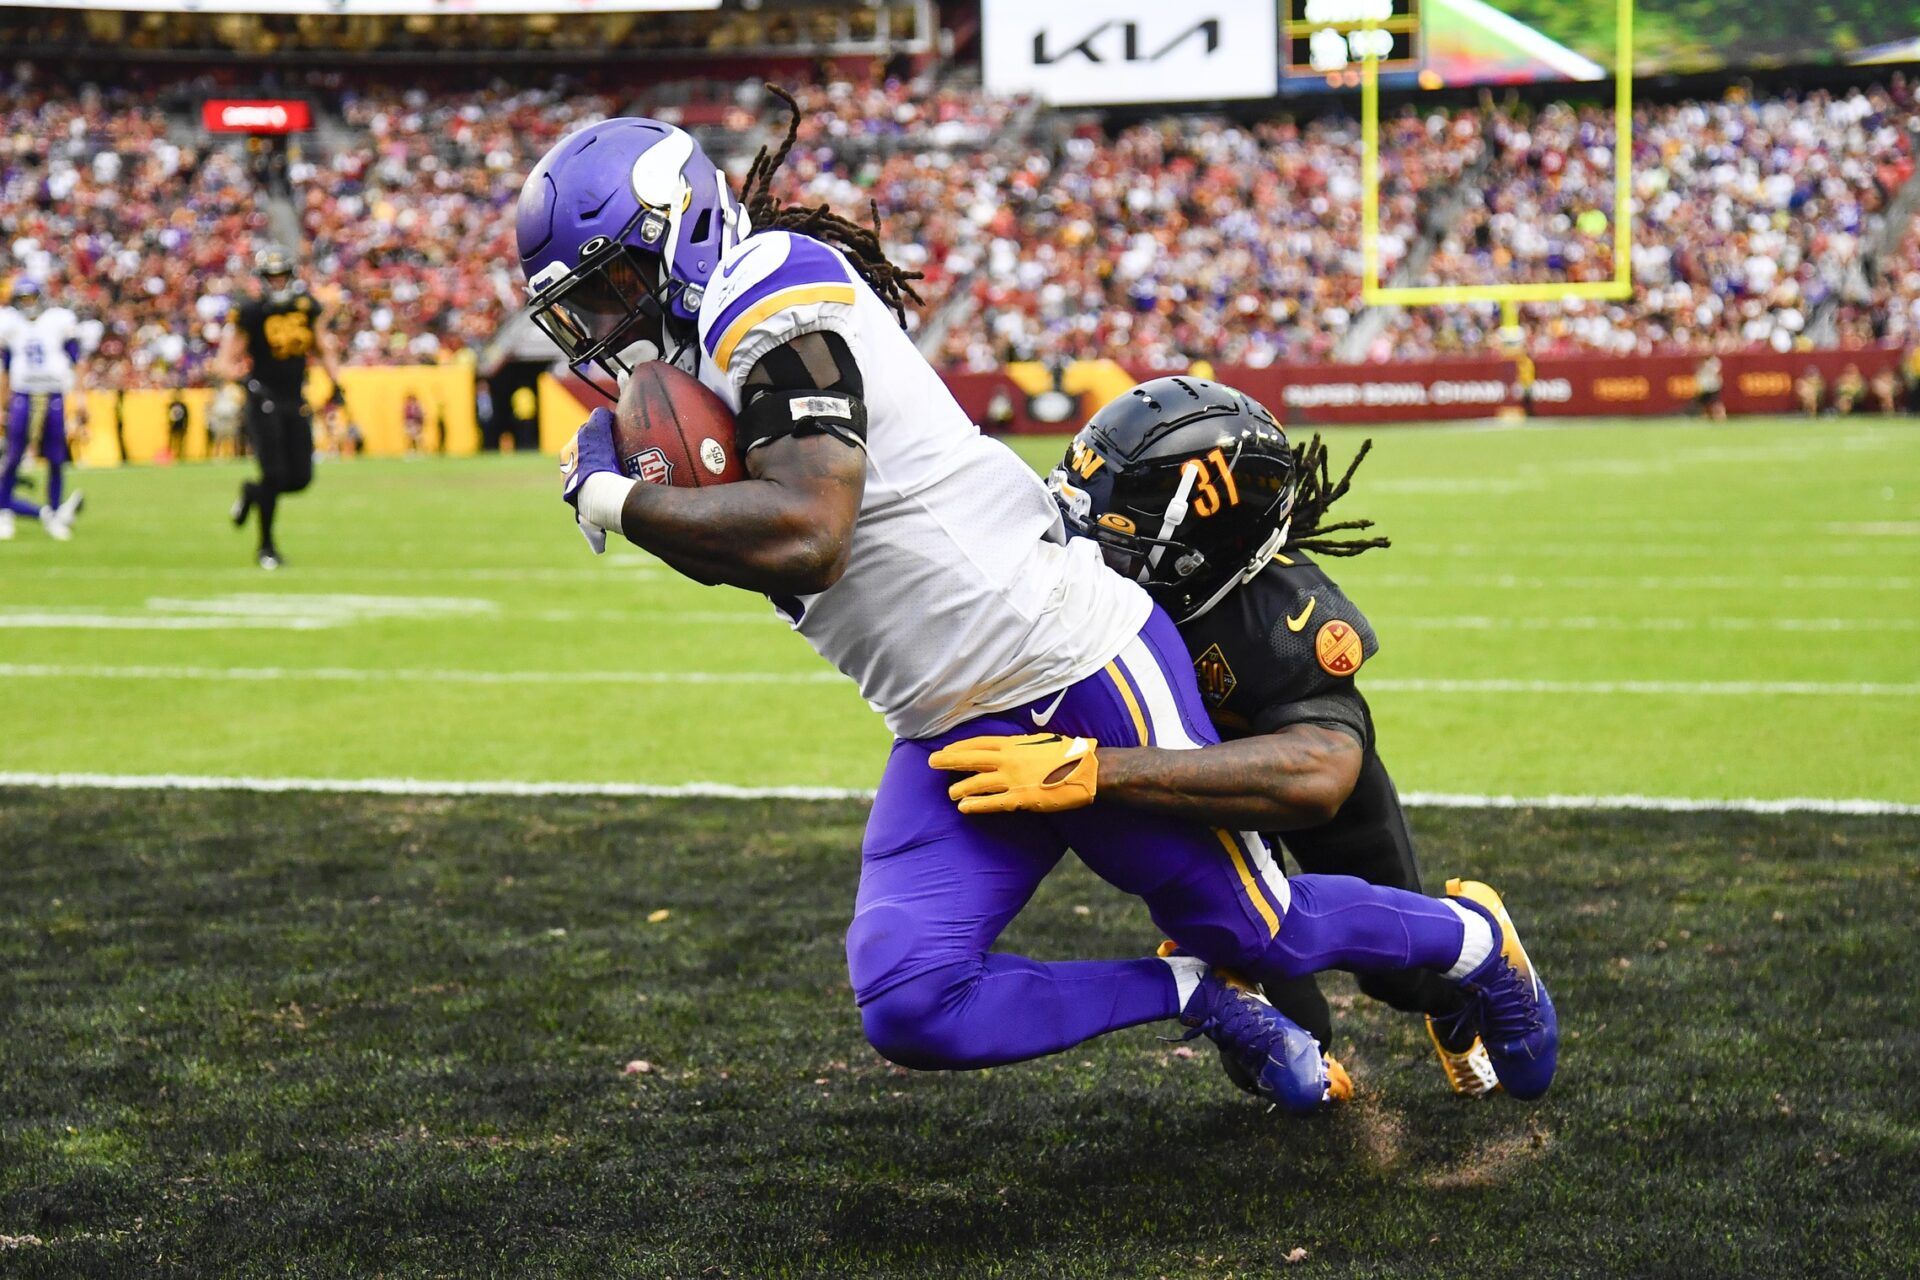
(1317, 490)
(861, 244)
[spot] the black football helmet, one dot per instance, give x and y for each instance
(1187, 485)
(274, 265)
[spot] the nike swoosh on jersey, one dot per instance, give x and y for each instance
(1040, 719)
(1295, 623)
(726, 272)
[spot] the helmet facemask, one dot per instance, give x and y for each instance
(1157, 546)
(617, 308)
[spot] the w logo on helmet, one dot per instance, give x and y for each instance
(1084, 461)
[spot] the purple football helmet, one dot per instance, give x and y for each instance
(621, 226)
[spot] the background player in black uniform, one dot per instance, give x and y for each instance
(1193, 490)
(266, 345)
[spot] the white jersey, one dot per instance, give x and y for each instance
(960, 596)
(40, 350)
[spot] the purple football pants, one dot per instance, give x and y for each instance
(937, 887)
(28, 415)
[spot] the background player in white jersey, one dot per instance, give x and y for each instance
(41, 383)
(929, 564)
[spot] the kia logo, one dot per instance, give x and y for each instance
(1129, 50)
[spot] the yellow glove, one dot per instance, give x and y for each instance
(1034, 772)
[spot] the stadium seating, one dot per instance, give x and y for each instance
(1041, 238)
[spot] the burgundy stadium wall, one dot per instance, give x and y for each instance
(1442, 390)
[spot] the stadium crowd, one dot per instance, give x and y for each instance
(1749, 215)
(1173, 240)
(1184, 239)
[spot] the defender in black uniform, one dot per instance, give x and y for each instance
(1194, 491)
(1276, 647)
(268, 342)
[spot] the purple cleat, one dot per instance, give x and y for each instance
(1282, 1060)
(1517, 1022)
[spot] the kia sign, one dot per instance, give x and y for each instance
(1099, 52)
(230, 115)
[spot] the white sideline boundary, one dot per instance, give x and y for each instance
(727, 791)
(1384, 684)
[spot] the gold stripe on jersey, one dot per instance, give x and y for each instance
(772, 305)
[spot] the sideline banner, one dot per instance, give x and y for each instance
(1759, 382)
(376, 403)
(1034, 398)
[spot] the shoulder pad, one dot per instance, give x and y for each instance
(762, 278)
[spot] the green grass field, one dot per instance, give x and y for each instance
(334, 1035)
(1597, 609)
(337, 1036)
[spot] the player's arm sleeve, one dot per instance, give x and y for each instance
(1315, 672)
(810, 386)
(1339, 708)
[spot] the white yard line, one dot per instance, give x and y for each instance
(427, 675)
(1682, 688)
(419, 675)
(726, 791)
(1577, 622)
(49, 620)
(1878, 529)
(633, 567)
(425, 787)
(1635, 582)
(1660, 804)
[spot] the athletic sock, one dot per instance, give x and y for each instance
(1187, 972)
(263, 501)
(1476, 946)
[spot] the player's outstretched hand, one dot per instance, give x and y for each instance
(589, 453)
(1035, 772)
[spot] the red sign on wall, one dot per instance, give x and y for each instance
(250, 115)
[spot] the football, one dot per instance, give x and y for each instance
(668, 429)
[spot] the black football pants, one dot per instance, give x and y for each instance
(280, 429)
(1368, 838)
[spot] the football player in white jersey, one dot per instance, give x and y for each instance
(929, 564)
(40, 382)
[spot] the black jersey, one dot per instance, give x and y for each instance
(1283, 649)
(280, 336)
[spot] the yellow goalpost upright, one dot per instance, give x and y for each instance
(1509, 296)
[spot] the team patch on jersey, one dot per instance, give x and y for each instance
(1215, 676)
(1337, 646)
(650, 466)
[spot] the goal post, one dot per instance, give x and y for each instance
(1375, 293)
